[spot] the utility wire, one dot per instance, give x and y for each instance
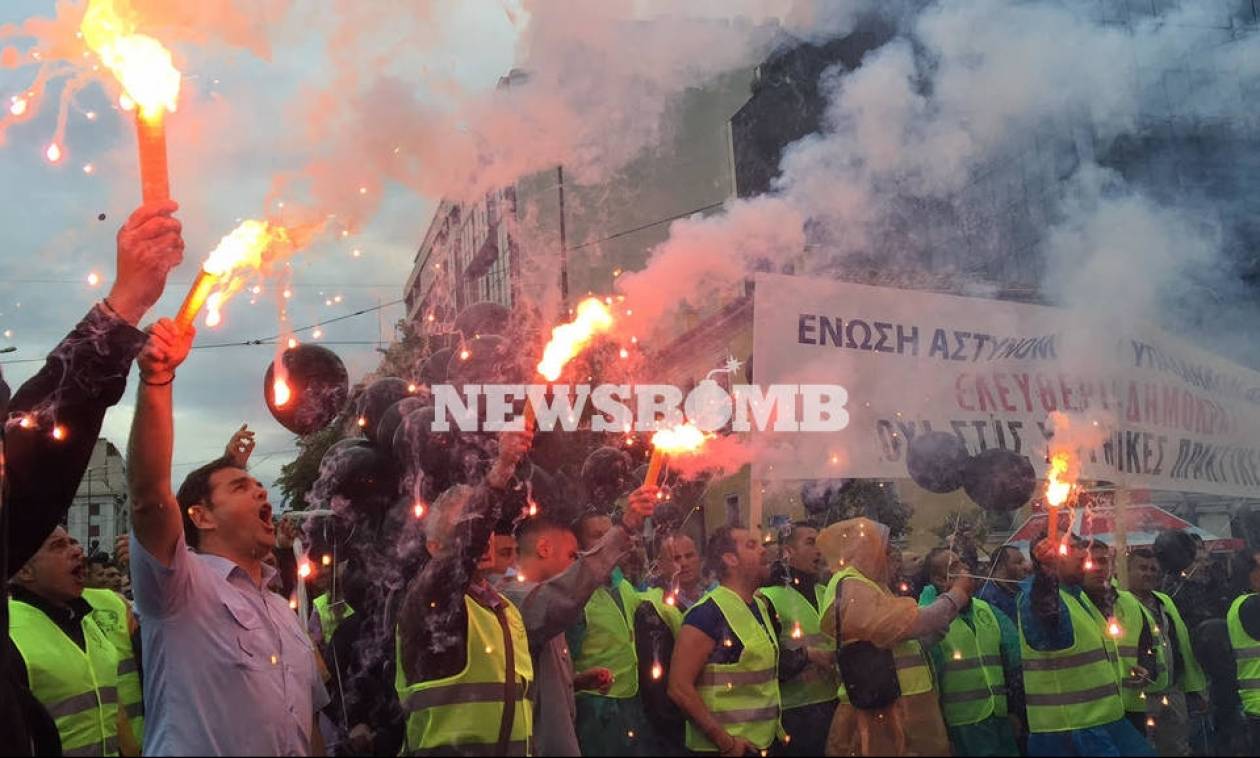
(649, 225)
(272, 339)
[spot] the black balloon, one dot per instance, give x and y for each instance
(318, 387)
(1176, 550)
(419, 449)
(936, 461)
(999, 480)
(433, 371)
(484, 317)
(487, 359)
(359, 474)
(375, 400)
(383, 432)
(607, 475)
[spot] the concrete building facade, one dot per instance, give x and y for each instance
(99, 511)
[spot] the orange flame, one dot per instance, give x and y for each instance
(280, 392)
(657, 670)
(1058, 483)
(684, 438)
(305, 569)
(567, 340)
(140, 63)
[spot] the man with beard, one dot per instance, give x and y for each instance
(229, 670)
(795, 595)
(724, 672)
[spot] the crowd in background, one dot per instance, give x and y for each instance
(469, 625)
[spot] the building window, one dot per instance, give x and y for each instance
(94, 530)
(94, 509)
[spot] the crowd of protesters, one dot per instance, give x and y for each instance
(501, 636)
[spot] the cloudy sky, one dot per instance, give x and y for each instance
(231, 135)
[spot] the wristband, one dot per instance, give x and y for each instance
(157, 384)
(112, 310)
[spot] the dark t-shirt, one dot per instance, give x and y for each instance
(708, 618)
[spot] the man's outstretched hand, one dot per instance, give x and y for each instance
(150, 244)
(240, 447)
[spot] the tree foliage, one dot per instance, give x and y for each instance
(964, 532)
(829, 501)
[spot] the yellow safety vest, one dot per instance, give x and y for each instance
(462, 714)
(914, 675)
(78, 688)
(801, 627)
(973, 683)
(609, 639)
(1246, 659)
(742, 696)
(1074, 688)
(1193, 678)
(1130, 614)
(330, 618)
(113, 618)
(668, 612)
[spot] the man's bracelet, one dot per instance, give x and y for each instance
(112, 310)
(145, 379)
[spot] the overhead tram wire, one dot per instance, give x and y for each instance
(273, 338)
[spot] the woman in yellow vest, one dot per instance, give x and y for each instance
(1071, 660)
(725, 670)
(899, 713)
(973, 663)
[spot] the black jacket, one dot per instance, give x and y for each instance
(83, 376)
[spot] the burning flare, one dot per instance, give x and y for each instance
(149, 79)
(684, 438)
(1058, 486)
(239, 253)
(1060, 480)
(567, 340)
(280, 392)
(140, 63)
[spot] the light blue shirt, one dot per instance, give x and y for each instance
(228, 669)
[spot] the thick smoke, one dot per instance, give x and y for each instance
(896, 177)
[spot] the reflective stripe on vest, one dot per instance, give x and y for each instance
(609, 639)
(1246, 658)
(913, 672)
(110, 612)
(519, 747)
(78, 687)
(330, 617)
(1192, 677)
(1074, 688)
(972, 682)
(1132, 615)
(668, 612)
(461, 714)
(800, 627)
(742, 696)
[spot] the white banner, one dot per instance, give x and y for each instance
(1158, 412)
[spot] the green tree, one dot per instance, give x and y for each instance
(964, 532)
(402, 357)
(836, 500)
